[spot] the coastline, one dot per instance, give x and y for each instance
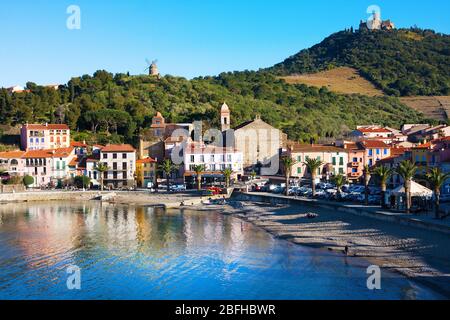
(420, 255)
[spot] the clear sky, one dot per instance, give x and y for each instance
(188, 37)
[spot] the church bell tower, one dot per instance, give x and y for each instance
(225, 117)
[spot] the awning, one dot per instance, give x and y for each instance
(417, 190)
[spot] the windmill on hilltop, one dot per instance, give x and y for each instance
(152, 68)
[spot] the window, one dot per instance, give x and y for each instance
(355, 159)
(114, 165)
(105, 156)
(318, 158)
(42, 140)
(370, 152)
(229, 157)
(114, 175)
(354, 170)
(334, 161)
(63, 166)
(299, 159)
(212, 158)
(341, 170)
(370, 162)
(378, 151)
(385, 151)
(124, 176)
(124, 155)
(114, 155)
(341, 161)
(124, 166)
(417, 158)
(299, 170)
(57, 165)
(202, 158)
(192, 158)
(31, 140)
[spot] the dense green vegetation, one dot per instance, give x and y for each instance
(404, 62)
(114, 108)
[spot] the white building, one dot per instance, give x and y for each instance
(215, 159)
(121, 162)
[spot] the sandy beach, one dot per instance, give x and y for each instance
(419, 254)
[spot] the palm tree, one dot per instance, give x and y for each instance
(437, 178)
(407, 170)
(227, 175)
(101, 169)
(366, 184)
(199, 169)
(288, 163)
(339, 181)
(167, 167)
(253, 175)
(383, 173)
(313, 165)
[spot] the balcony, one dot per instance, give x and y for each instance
(354, 174)
(354, 164)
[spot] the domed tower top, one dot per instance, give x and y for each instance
(225, 117)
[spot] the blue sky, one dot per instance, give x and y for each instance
(188, 37)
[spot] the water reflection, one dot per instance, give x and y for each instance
(128, 252)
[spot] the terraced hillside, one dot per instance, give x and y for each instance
(340, 80)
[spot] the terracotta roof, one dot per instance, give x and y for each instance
(423, 146)
(11, 154)
(78, 144)
(316, 148)
(47, 127)
(50, 153)
(146, 160)
(398, 151)
(373, 144)
(374, 130)
(118, 148)
(73, 162)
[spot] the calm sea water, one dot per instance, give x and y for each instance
(127, 252)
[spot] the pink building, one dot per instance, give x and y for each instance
(374, 151)
(44, 136)
(335, 159)
(48, 166)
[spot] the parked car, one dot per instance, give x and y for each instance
(177, 187)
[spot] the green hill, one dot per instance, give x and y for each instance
(404, 62)
(113, 108)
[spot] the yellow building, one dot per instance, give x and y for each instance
(145, 172)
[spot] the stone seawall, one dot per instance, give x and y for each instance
(371, 212)
(47, 196)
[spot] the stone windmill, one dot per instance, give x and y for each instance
(152, 68)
